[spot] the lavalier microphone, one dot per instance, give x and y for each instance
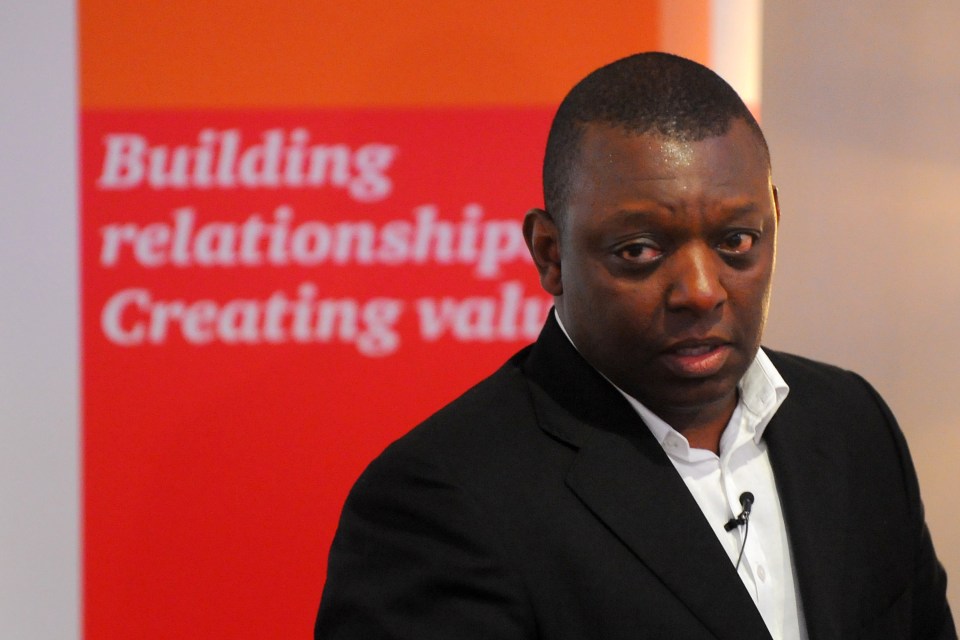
(746, 502)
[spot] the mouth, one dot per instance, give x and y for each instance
(696, 358)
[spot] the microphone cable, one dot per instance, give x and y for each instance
(746, 501)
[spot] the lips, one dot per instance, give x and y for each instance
(696, 358)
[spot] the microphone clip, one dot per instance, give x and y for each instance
(735, 522)
(746, 502)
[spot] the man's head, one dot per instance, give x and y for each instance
(661, 266)
(651, 92)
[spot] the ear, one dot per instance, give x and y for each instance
(543, 241)
(776, 202)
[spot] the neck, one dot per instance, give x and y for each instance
(703, 425)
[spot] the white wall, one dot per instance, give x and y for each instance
(861, 105)
(39, 495)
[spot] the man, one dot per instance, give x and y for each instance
(644, 470)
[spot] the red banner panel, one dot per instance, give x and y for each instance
(269, 298)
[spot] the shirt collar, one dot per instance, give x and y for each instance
(762, 391)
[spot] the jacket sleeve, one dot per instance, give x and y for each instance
(415, 557)
(931, 616)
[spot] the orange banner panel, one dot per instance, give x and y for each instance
(300, 234)
(685, 29)
(185, 54)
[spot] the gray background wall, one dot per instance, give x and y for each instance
(861, 105)
(39, 439)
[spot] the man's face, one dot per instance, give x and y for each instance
(663, 267)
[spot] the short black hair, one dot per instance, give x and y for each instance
(648, 92)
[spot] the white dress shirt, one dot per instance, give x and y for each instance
(717, 481)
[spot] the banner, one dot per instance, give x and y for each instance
(300, 231)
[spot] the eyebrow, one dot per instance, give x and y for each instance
(643, 212)
(743, 209)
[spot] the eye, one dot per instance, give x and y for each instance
(639, 251)
(737, 243)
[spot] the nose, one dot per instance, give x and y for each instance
(695, 280)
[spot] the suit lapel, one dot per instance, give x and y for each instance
(810, 476)
(622, 475)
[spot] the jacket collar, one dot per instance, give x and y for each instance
(622, 475)
(801, 437)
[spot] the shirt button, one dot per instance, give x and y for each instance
(761, 573)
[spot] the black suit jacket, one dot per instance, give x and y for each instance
(538, 505)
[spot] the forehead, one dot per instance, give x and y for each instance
(612, 159)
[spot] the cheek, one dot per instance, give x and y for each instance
(749, 296)
(750, 290)
(633, 312)
(750, 283)
(616, 312)
(588, 281)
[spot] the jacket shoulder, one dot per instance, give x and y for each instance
(481, 429)
(792, 364)
(815, 379)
